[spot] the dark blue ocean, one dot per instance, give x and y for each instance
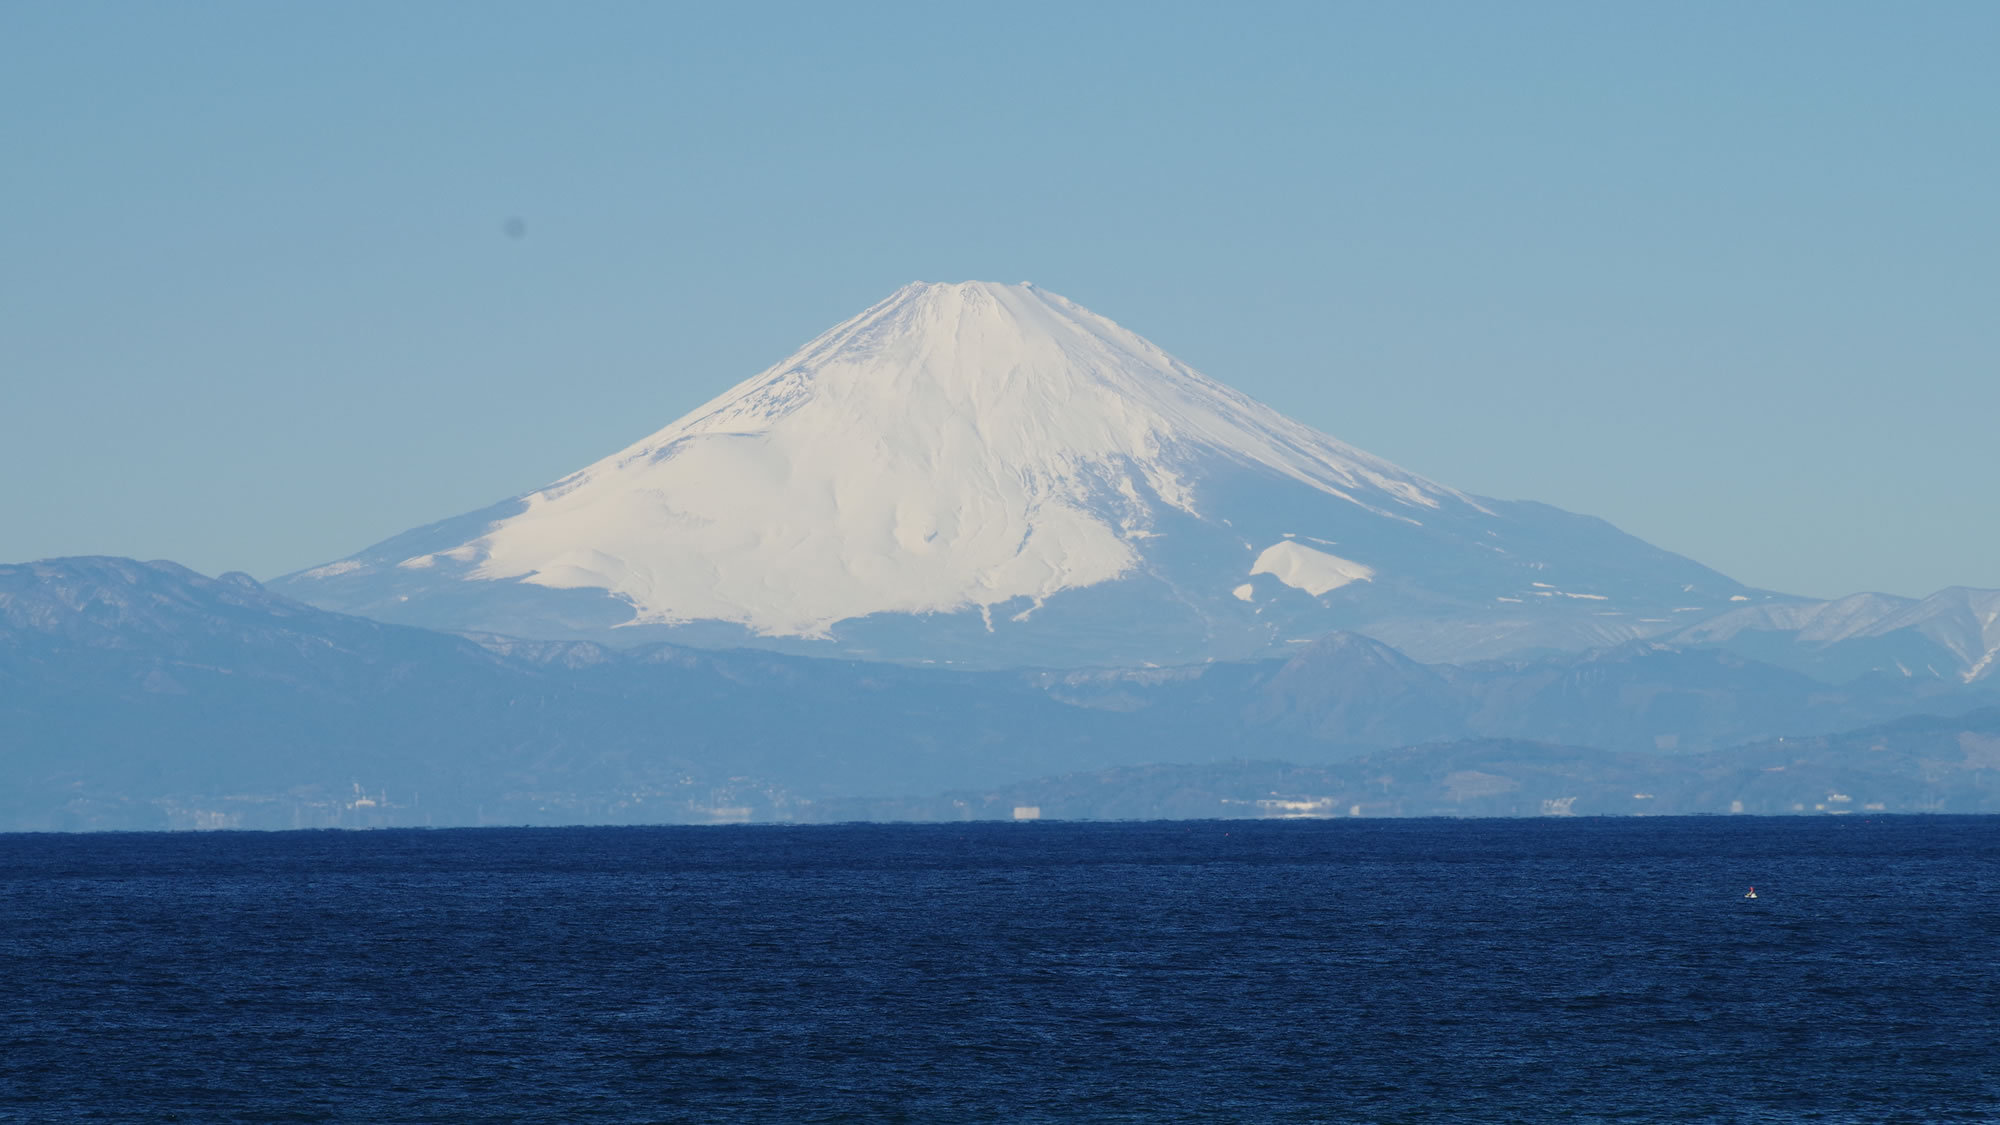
(1394, 971)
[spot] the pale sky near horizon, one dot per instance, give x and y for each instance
(1725, 275)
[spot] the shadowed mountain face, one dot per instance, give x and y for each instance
(993, 476)
(144, 695)
(1346, 688)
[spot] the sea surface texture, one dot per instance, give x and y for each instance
(1396, 971)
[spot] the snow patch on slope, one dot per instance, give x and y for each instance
(1303, 568)
(1982, 667)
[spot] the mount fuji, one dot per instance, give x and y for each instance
(994, 475)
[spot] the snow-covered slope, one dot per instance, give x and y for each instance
(994, 474)
(1953, 634)
(955, 446)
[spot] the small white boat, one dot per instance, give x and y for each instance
(1751, 893)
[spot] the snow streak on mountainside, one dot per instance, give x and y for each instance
(1000, 456)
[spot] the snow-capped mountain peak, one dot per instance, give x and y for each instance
(1043, 381)
(974, 450)
(957, 445)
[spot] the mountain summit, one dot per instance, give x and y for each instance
(994, 474)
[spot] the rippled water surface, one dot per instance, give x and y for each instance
(1389, 971)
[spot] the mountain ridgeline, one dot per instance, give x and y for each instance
(143, 695)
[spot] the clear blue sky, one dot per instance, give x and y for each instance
(1725, 274)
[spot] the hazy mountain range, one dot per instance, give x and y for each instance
(973, 536)
(144, 695)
